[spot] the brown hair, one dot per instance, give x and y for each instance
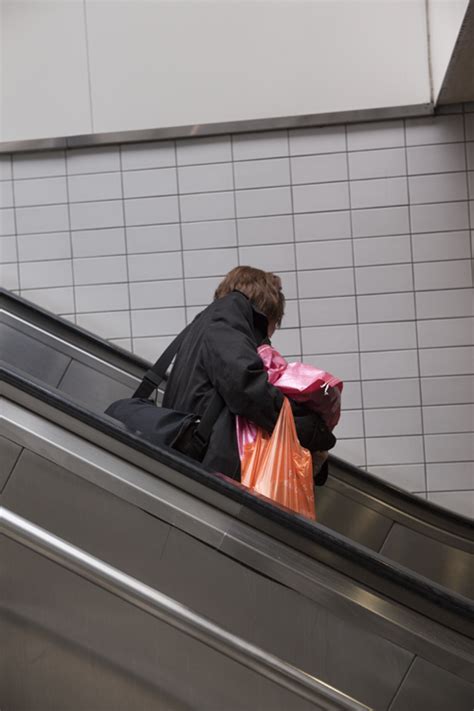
(262, 288)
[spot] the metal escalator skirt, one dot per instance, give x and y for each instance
(173, 613)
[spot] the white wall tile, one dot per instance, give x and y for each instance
(162, 265)
(262, 173)
(434, 129)
(136, 156)
(56, 245)
(209, 263)
(200, 235)
(453, 447)
(109, 324)
(289, 284)
(350, 425)
(458, 501)
(470, 155)
(91, 215)
(382, 250)
(292, 314)
(271, 144)
(386, 307)
(351, 395)
(380, 192)
(405, 476)
(51, 218)
(95, 243)
(6, 193)
(446, 332)
(124, 343)
(99, 186)
(330, 282)
(43, 191)
(192, 312)
(378, 222)
(389, 365)
(264, 201)
(6, 172)
(151, 210)
(205, 178)
(470, 180)
(39, 165)
(387, 336)
(456, 389)
(391, 393)
(319, 169)
(323, 255)
(211, 206)
(200, 292)
(469, 125)
(59, 300)
(445, 303)
(287, 342)
(448, 418)
(102, 297)
(326, 139)
(379, 280)
(443, 275)
(265, 230)
(157, 322)
(329, 339)
(322, 225)
(437, 246)
(439, 187)
(454, 475)
(7, 222)
(343, 365)
(394, 450)
(100, 270)
(386, 163)
(151, 294)
(393, 421)
(193, 151)
(320, 312)
(93, 160)
(153, 238)
(34, 275)
(382, 134)
(321, 197)
(9, 276)
(280, 257)
(443, 158)
(8, 250)
(150, 348)
(446, 361)
(351, 450)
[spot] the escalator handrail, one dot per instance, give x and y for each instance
(174, 613)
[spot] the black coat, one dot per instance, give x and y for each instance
(220, 352)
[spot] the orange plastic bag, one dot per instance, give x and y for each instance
(279, 468)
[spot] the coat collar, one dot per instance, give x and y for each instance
(260, 321)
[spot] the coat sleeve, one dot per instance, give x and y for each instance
(234, 366)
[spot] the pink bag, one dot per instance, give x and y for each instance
(306, 384)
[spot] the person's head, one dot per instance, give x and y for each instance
(262, 288)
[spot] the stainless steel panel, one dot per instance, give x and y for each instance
(31, 356)
(282, 621)
(429, 688)
(87, 516)
(139, 645)
(9, 453)
(92, 388)
(351, 518)
(444, 564)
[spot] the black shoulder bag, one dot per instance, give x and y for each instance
(184, 431)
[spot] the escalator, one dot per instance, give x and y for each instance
(373, 600)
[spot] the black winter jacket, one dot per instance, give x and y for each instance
(220, 352)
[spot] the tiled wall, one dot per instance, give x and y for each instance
(369, 225)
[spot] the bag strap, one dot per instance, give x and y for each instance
(157, 372)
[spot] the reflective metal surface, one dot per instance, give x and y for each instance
(9, 453)
(214, 129)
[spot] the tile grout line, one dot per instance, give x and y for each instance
(295, 253)
(237, 236)
(127, 268)
(181, 242)
(71, 244)
(15, 227)
(89, 77)
(417, 335)
(362, 380)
